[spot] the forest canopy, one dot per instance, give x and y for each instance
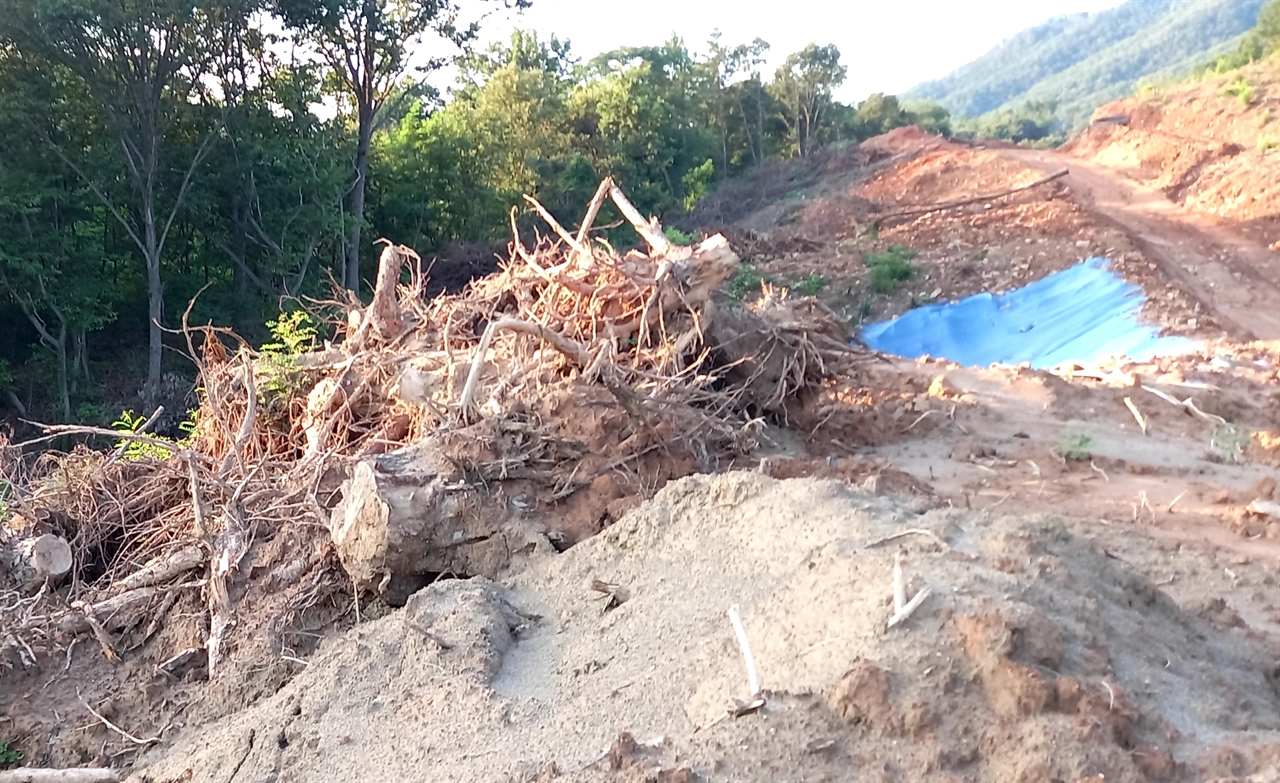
(252, 151)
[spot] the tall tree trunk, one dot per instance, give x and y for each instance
(351, 276)
(760, 121)
(64, 391)
(155, 305)
(82, 343)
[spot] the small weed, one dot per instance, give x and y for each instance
(9, 755)
(745, 286)
(812, 284)
(677, 237)
(131, 423)
(890, 268)
(864, 312)
(1074, 447)
(1264, 117)
(1268, 143)
(1227, 441)
(872, 232)
(979, 255)
(1241, 90)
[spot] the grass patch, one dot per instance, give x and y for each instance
(1227, 442)
(1268, 143)
(889, 268)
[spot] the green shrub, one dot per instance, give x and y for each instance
(697, 183)
(677, 237)
(131, 423)
(1240, 89)
(889, 268)
(812, 284)
(1074, 446)
(745, 286)
(1268, 143)
(295, 333)
(9, 755)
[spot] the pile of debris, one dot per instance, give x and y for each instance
(437, 437)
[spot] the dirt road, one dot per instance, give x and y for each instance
(1235, 278)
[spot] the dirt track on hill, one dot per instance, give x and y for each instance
(1234, 277)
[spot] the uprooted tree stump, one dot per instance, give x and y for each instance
(430, 436)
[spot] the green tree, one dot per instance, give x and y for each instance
(51, 250)
(803, 84)
(141, 63)
(366, 46)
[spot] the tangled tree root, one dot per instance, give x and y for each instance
(433, 439)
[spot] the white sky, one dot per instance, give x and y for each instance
(888, 45)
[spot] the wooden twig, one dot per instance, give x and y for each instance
(966, 202)
(59, 430)
(564, 345)
(556, 227)
(909, 609)
(250, 414)
(117, 729)
(915, 531)
(197, 507)
(593, 209)
(1128, 403)
(1188, 404)
(162, 569)
(116, 610)
(919, 419)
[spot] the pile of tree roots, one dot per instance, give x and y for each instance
(430, 437)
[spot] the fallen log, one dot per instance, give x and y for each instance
(921, 210)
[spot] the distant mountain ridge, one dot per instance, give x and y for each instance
(1081, 61)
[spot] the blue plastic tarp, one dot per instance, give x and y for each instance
(1083, 314)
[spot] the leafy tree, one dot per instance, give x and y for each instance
(141, 63)
(366, 46)
(803, 84)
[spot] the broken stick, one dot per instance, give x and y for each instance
(902, 616)
(753, 676)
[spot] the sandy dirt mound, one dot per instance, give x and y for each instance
(1036, 657)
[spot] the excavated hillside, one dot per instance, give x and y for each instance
(650, 516)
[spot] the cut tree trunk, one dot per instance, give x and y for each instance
(409, 515)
